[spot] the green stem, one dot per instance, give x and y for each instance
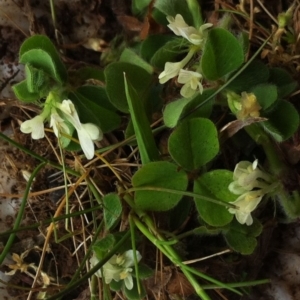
(21, 212)
(196, 12)
(173, 256)
(238, 284)
(132, 225)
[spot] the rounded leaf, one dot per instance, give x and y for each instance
(255, 73)
(115, 87)
(222, 54)
(159, 175)
(199, 105)
(283, 80)
(194, 143)
(112, 209)
(266, 94)
(283, 121)
(242, 238)
(40, 59)
(214, 185)
(44, 45)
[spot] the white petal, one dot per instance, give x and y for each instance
(246, 203)
(93, 131)
(58, 124)
(235, 188)
(128, 282)
(171, 70)
(244, 218)
(68, 108)
(255, 164)
(86, 143)
(93, 261)
(176, 23)
(186, 91)
(188, 33)
(111, 272)
(35, 126)
(129, 258)
(205, 26)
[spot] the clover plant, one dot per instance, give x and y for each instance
(189, 73)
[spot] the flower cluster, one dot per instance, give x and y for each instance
(64, 119)
(251, 184)
(118, 268)
(244, 105)
(191, 80)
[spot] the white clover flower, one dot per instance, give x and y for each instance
(246, 203)
(35, 126)
(118, 268)
(251, 184)
(191, 82)
(172, 69)
(247, 176)
(87, 133)
(180, 28)
(58, 124)
(199, 37)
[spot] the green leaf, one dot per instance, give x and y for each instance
(112, 209)
(195, 10)
(243, 39)
(133, 294)
(266, 94)
(41, 60)
(96, 94)
(222, 54)
(131, 57)
(115, 88)
(181, 107)
(37, 80)
(152, 43)
(159, 175)
(204, 230)
(194, 143)
(44, 44)
(86, 73)
(21, 91)
(104, 245)
(174, 7)
(116, 285)
(283, 121)
(214, 185)
(242, 238)
(90, 112)
(141, 125)
(169, 52)
(66, 142)
(144, 271)
(284, 81)
(139, 5)
(180, 213)
(256, 73)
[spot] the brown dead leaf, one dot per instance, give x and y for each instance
(158, 282)
(233, 127)
(179, 285)
(130, 23)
